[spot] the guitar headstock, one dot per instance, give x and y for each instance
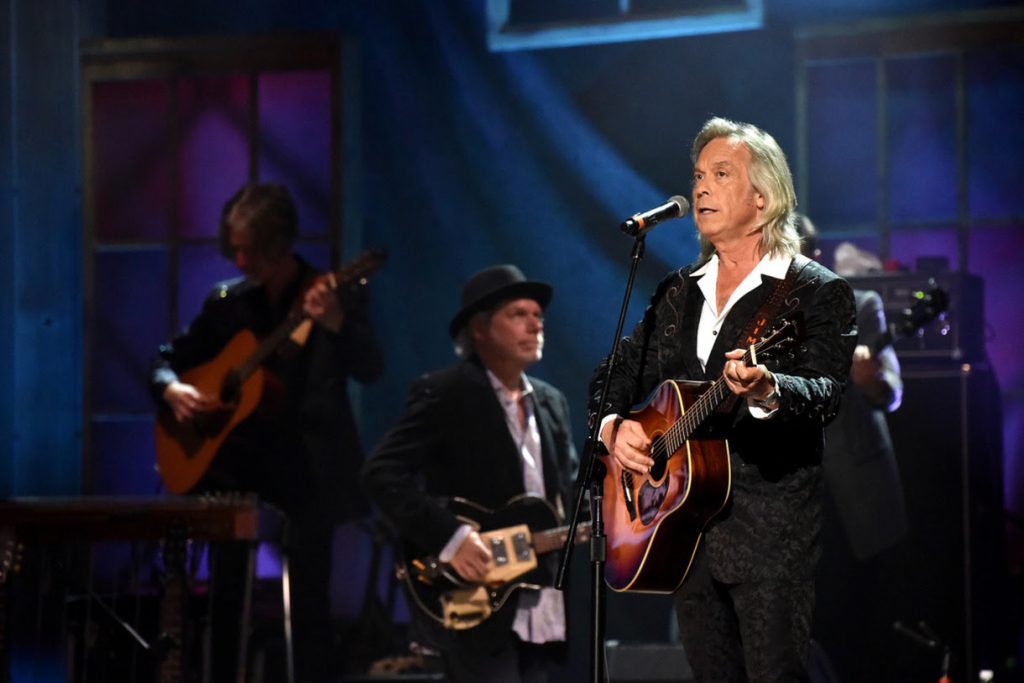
(926, 307)
(363, 265)
(778, 338)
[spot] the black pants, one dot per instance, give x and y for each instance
(757, 632)
(283, 481)
(510, 661)
(516, 662)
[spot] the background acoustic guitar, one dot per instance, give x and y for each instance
(184, 450)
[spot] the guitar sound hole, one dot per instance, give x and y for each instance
(660, 464)
(231, 389)
(211, 423)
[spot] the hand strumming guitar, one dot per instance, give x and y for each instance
(472, 560)
(628, 444)
(185, 400)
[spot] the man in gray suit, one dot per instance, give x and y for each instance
(865, 512)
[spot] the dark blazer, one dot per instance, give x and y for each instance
(452, 440)
(771, 523)
(860, 467)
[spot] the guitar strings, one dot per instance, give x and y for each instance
(681, 430)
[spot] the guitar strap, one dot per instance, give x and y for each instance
(766, 314)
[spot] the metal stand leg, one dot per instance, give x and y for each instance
(286, 615)
(246, 616)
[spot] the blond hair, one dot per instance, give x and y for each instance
(769, 174)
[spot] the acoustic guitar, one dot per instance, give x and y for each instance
(184, 450)
(654, 523)
(516, 534)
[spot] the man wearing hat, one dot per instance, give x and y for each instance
(484, 431)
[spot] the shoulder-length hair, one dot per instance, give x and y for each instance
(268, 211)
(770, 175)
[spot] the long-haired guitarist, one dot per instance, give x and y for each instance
(297, 446)
(481, 431)
(745, 559)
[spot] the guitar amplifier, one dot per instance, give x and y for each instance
(956, 336)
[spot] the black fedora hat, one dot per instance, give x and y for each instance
(495, 284)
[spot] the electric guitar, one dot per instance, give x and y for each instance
(526, 527)
(184, 450)
(654, 522)
(924, 308)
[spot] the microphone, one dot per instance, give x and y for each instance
(641, 223)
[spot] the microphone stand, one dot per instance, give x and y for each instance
(590, 476)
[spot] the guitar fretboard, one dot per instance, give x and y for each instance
(368, 262)
(554, 539)
(675, 436)
(680, 432)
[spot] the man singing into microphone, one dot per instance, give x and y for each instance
(745, 609)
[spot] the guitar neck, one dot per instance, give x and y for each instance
(701, 410)
(272, 342)
(369, 261)
(554, 539)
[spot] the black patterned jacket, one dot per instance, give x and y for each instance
(771, 523)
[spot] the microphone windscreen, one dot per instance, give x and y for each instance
(682, 203)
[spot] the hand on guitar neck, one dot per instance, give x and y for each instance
(320, 302)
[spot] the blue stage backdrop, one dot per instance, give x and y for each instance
(460, 158)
